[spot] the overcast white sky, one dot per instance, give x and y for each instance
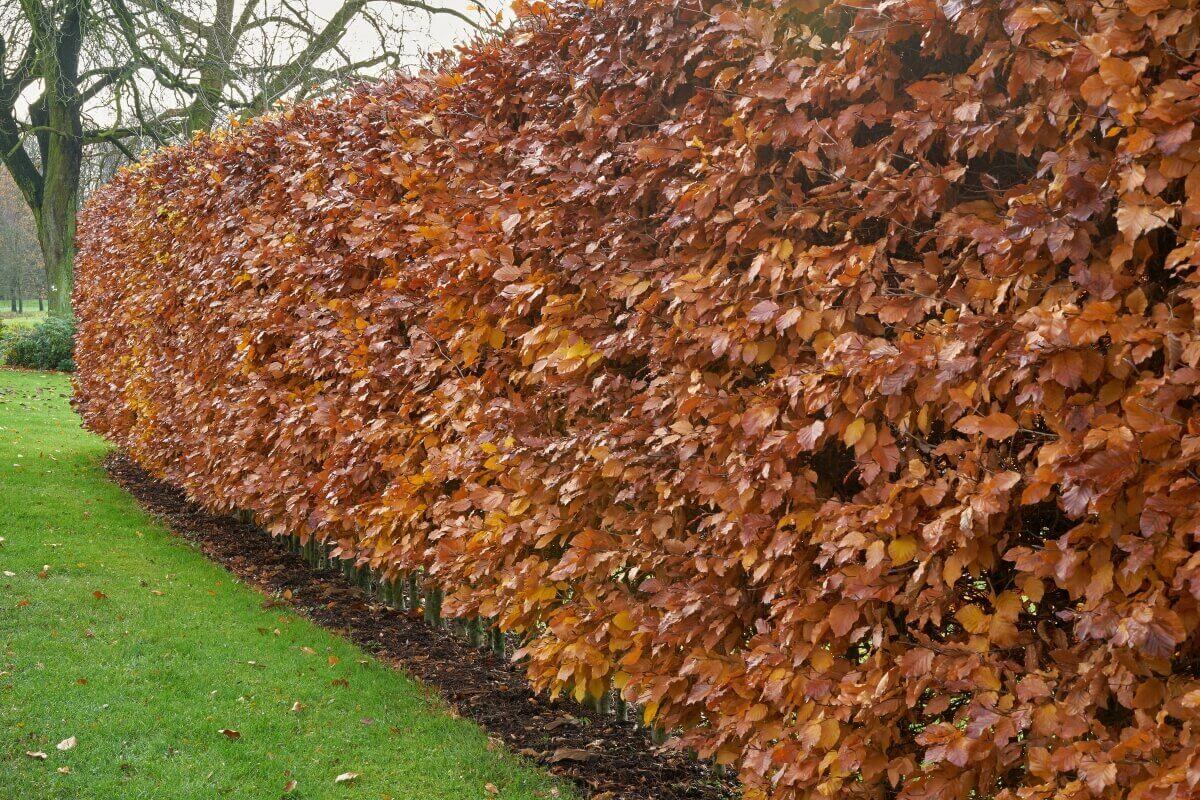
(429, 31)
(425, 33)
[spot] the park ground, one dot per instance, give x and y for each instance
(24, 319)
(133, 667)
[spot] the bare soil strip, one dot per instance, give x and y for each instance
(605, 758)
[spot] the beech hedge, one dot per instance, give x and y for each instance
(821, 376)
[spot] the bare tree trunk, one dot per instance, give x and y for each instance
(60, 140)
(56, 233)
(215, 71)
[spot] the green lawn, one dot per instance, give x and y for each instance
(26, 319)
(118, 635)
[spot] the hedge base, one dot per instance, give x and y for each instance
(598, 751)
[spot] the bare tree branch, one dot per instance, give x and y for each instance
(110, 77)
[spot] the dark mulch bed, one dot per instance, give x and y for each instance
(605, 758)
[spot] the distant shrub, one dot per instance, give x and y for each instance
(48, 345)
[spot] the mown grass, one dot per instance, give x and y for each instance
(24, 319)
(118, 634)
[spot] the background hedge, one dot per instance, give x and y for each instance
(821, 375)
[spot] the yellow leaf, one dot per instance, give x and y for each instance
(972, 618)
(830, 733)
(854, 431)
(986, 678)
(902, 550)
(649, 712)
(765, 351)
(623, 621)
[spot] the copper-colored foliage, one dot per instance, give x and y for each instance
(824, 374)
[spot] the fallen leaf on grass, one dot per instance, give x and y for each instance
(491, 788)
(346, 777)
(63, 770)
(289, 787)
(229, 733)
(297, 707)
(66, 744)
(99, 595)
(38, 754)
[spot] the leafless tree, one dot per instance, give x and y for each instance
(115, 76)
(21, 275)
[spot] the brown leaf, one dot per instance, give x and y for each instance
(1136, 220)
(763, 312)
(998, 426)
(569, 754)
(842, 618)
